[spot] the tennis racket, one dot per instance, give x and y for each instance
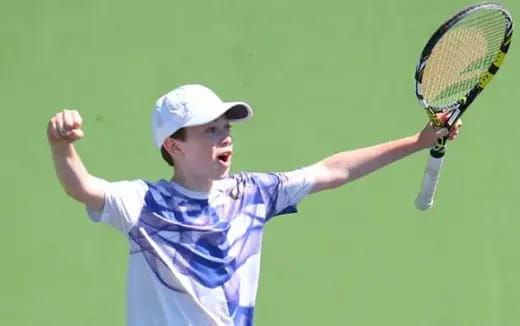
(457, 63)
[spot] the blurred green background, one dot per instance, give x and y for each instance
(322, 77)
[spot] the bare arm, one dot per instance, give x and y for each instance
(344, 167)
(62, 131)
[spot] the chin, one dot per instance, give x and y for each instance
(221, 170)
(221, 174)
(224, 174)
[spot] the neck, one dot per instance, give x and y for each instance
(192, 182)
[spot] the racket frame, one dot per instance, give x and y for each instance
(425, 198)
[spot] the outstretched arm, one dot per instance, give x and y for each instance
(62, 131)
(341, 168)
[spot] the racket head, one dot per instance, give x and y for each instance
(462, 56)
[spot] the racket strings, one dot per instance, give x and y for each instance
(468, 55)
(442, 79)
(462, 55)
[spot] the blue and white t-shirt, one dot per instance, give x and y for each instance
(195, 257)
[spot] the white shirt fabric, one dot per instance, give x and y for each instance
(194, 257)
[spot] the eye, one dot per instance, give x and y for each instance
(211, 129)
(228, 127)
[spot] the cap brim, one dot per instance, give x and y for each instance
(238, 111)
(233, 111)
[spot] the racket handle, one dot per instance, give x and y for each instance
(425, 198)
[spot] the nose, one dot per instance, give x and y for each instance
(227, 140)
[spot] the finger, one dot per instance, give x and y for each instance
(58, 119)
(68, 121)
(444, 116)
(78, 120)
(50, 126)
(453, 133)
(75, 134)
(456, 129)
(53, 129)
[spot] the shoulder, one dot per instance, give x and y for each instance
(136, 185)
(269, 178)
(259, 181)
(126, 191)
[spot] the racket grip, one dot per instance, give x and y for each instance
(425, 198)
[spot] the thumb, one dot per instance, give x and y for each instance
(442, 132)
(444, 116)
(76, 134)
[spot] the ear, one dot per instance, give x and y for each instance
(172, 146)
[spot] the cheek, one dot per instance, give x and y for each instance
(202, 154)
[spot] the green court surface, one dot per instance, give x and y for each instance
(322, 77)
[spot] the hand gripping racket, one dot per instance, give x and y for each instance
(457, 63)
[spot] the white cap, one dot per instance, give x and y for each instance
(192, 105)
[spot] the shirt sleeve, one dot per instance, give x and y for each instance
(281, 192)
(124, 201)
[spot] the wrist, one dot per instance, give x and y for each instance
(61, 147)
(418, 142)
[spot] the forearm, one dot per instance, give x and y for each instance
(347, 166)
(73, 175)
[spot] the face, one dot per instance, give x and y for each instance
(207, 150)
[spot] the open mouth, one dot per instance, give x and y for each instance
(224, 157)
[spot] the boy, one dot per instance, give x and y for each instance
(195, 239)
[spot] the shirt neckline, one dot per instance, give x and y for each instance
(188, 192)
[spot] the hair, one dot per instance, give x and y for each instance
(179, 135)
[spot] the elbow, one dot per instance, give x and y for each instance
(329, 176)
(333, 177)
(339, 179)
(80, 191)
(75, 194)
(91, 194)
